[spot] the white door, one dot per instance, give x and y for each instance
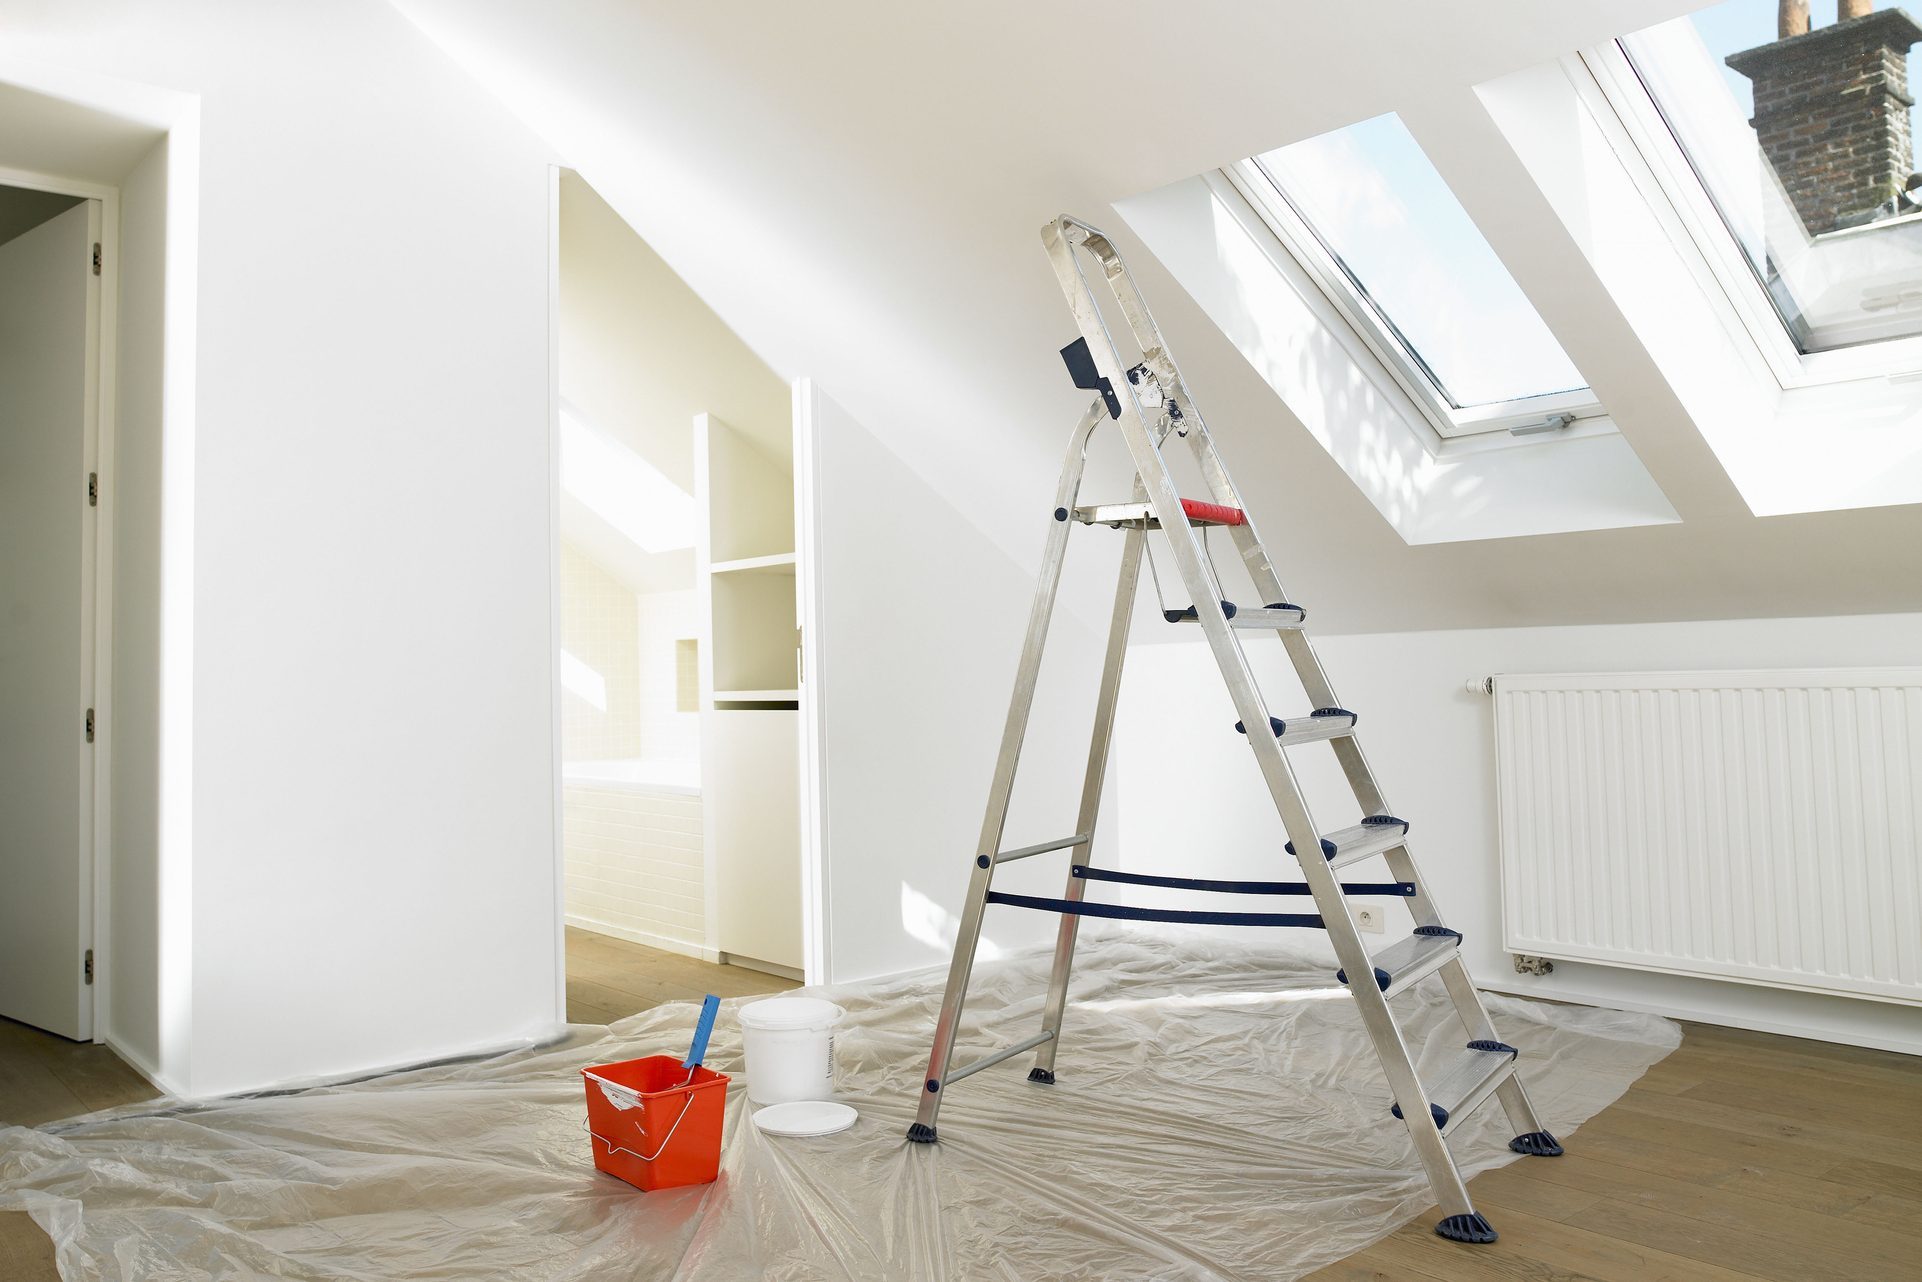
(47, 300)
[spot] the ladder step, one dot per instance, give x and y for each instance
(1405, 889)
(1413, 959)
(1279, 615)
(989, 1061)
(1369, 837)
(1127, 912)
(1130, 516)
(1039, 848)
(1322, 723)
(1471, 1076)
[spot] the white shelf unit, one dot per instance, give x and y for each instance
(745, 573)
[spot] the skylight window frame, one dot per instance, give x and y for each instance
(1376, 331)
(1669, 179)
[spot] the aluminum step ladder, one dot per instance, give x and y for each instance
(1151, 404)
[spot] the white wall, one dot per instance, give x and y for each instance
(364, 809)
(131, 953)
(915, 636)
(642, 354)
(1432, 747)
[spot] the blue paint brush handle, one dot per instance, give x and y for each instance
(702, 1031)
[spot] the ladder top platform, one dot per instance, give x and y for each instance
(1141, 515)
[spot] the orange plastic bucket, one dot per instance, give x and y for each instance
(655, 1122)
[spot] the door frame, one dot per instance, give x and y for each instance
(96, 660)
(813, 926)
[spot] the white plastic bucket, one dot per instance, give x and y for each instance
(790, 1048)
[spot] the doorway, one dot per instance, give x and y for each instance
(679, 690)
(50, 364)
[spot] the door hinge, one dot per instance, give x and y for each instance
(87, 969)
(96, 258)
(93, 489)
(89, 725)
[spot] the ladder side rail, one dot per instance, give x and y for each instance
(1468, 1005)
(1398, 1065)
(1422, 908)
(1300, 650)
(1161, 362)
(1134, 308)
(1127, 586)
(1152, 469)
(1002, 787)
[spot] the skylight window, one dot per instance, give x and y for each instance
(1365, 211)
(1798, 128)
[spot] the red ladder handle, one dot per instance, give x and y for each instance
(1214, 513)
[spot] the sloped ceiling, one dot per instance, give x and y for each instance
(857, 191)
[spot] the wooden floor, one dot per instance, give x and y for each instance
(1742, 1157)
(608, 978)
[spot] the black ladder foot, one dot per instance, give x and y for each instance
(1472, 1227)
(921, 1133)
(1043, 1075)
(1536, 1144)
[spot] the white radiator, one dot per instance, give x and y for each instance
(1756, 826)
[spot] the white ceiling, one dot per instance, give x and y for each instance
(50, 136)
(22, 210)
(858, 191)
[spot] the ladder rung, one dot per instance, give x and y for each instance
(1080, 839)
(1142, 515)
(1127, 912)
(989, 1061)
(1322, 723)
(1472, 1075)
(1405, 889)
(1281, 614)
(1351, 845)
(1420, 955)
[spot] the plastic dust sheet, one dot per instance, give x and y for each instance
(1218, 1114)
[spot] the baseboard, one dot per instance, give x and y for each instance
(139, 1064)
(632, 936)
(765, 967)
(1696, 1015)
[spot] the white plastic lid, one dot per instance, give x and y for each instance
(779, 1014)
(805, 1117)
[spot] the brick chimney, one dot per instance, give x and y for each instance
(1832, 109)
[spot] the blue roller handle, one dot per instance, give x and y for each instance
(702, 1031)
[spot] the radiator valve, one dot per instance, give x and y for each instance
(1526, 965)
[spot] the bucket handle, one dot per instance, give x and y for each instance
(687, 1101)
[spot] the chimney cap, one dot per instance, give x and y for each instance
(1892, 28)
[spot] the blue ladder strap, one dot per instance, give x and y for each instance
(1405, 889)
(1124, 912)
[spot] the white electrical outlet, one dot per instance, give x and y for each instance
(1368, 918)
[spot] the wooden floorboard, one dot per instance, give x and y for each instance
(1742, 1157)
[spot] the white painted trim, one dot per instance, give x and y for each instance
(666, 943)
(1395, 360)
(1721, 1019)
(704, 670)
(555, 734)
(140, 1065)
(815, 931)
